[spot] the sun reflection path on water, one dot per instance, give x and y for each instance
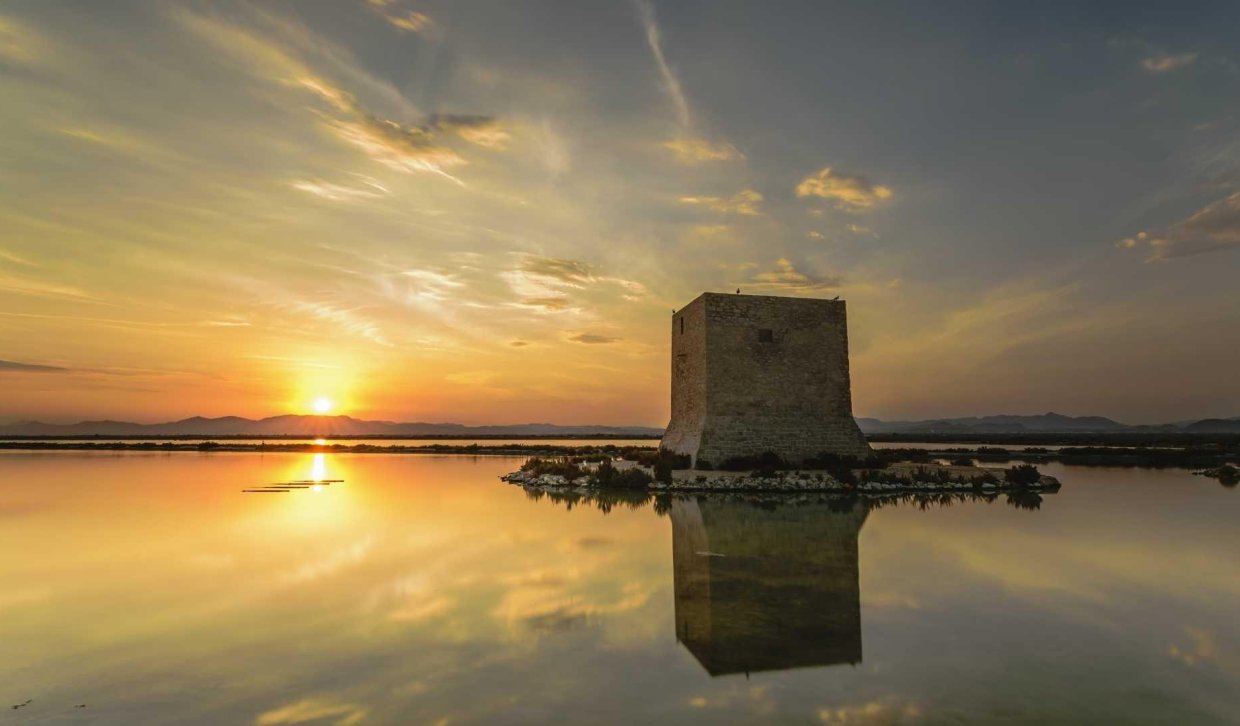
(317, 480)
(332, 505)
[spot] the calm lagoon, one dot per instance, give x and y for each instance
(150, 589)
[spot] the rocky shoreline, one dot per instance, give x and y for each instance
(794, 481)
(1227, 474)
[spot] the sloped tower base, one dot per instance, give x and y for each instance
(793, 439)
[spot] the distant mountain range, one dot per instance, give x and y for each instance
(310, 426)
(344, 426)
(1043, 423)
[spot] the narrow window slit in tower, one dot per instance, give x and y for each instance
(766, 335)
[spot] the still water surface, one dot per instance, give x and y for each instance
(150, 589)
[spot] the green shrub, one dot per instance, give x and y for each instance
(1022, 475)
(631, 479)
(765, 472)
(765, 460)
(843, 474)
(828, 460)
(609, 477)
(564, 466)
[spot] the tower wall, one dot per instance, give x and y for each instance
(756, 373)
(684, 433)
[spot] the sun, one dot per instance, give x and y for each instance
(322, 405)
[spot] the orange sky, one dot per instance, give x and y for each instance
(228, 208)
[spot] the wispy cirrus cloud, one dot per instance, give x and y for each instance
(671, 84)
(860, 230)
(313, 709)
(16, 367)
(593, 338)
(571, 272)
(367, 189)
(15, 259)
(689, 148)
(850, 192)
(401, 18)
(744, 202)
(694, 150)
(1167, 62)
(347, 319)
(19, 43)
(787, 278)
(550, 283)
(39, 288)
(408, 149)
(545, 282)
(484, 131)
(1215, 227)
(287, 56)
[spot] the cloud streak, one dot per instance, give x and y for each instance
(1213, 228)
(787, 278)
(369, 189)
(550, 283)
(593, 338)
(1166, 62)
(15, 367)
(671, 84)
(849, 192)
(744, 202)
(694, 150)
(419, 147)
(410, 21)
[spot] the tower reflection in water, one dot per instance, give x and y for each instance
(763, 588)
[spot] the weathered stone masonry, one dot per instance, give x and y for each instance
(756, 373)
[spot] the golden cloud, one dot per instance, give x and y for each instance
(593, 338)
(369, 189)
(19, 43)
(744, 202)
(1212, 228)
(407, 148)
(786, 277)
(406, 20)
(690, 150)
(313, 709)
(849, 192)
(1165, 62)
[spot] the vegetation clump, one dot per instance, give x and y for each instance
(567, 467)
(1022, 475)
(1227, 475)
(607, 476)
(767, 460)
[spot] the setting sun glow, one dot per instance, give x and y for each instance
(322, 405)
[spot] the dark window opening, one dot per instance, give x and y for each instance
(766, 335)
(682, 326)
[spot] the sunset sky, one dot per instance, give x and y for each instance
(486, 212)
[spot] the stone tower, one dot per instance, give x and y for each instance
(757, 373)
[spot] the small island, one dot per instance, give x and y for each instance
(662, 471)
